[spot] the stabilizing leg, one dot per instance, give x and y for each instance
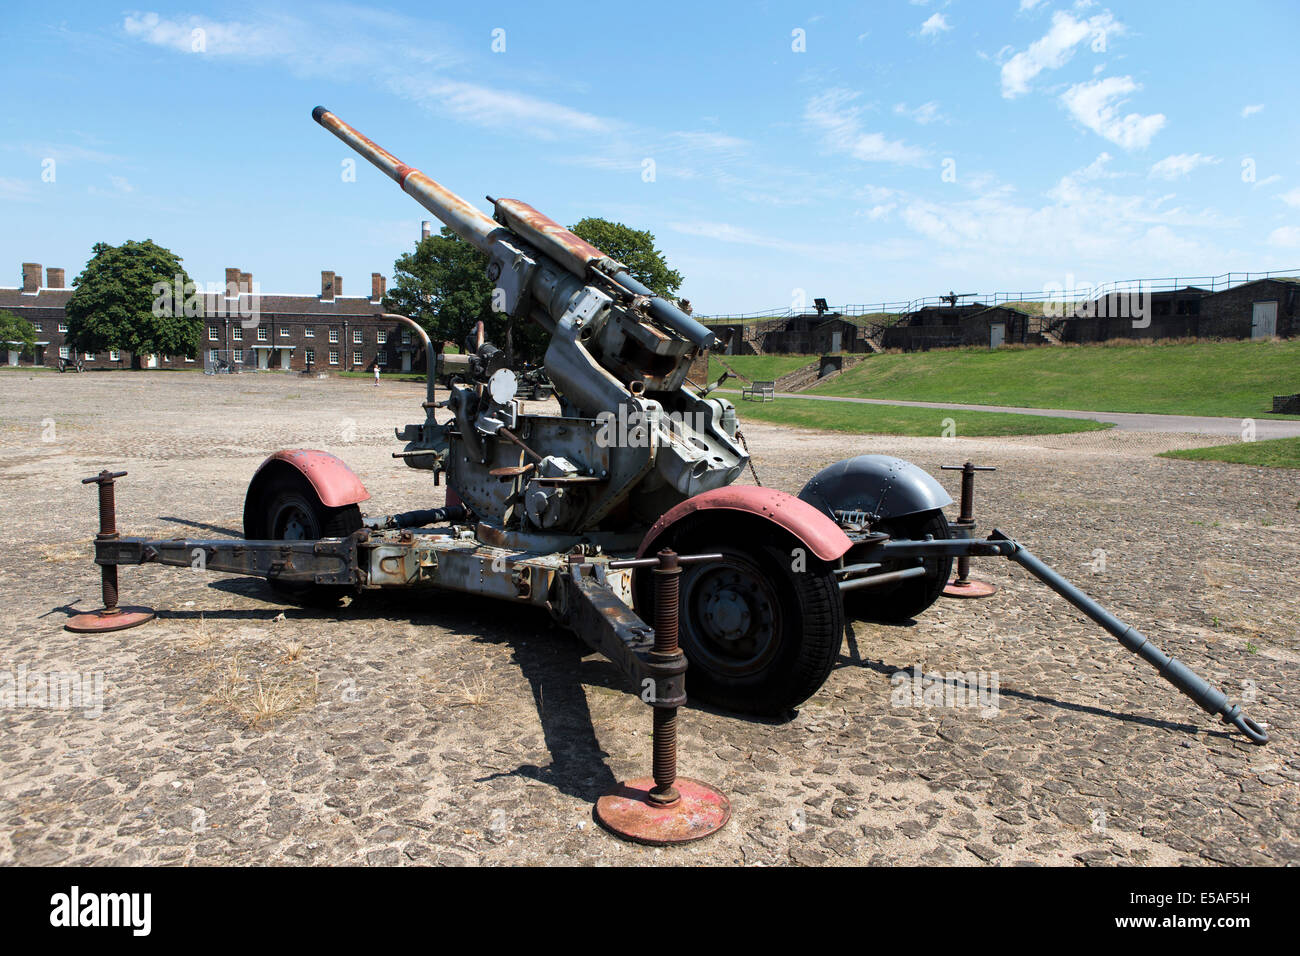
(963, 585)
(110, 617)
(664, 808)
(1208, 698)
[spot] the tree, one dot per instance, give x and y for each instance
(443, 284)
(17, 331)
(635, 248)
(135, 297)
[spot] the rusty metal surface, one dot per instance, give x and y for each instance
(118, 619)
(573, 252)
(467, 221)
(110, 617)
(629, 813)
(970, 588)
(818, 532)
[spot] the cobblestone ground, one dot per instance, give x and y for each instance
(449, 730)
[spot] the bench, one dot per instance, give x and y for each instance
(759, 391)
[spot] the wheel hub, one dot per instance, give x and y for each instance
(728, 614)
(732, 618)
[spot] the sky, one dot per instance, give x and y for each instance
(857, 151)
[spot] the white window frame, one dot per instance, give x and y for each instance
(114, 355)
(237, 333)
(309, 356)
(334, 356)
(262, 333)
(358, 358)
(334, 336)
(212, 334)
(357, 338)
(309, 332)
(381, 357)
(381, 336)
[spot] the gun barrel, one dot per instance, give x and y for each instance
(467, 221)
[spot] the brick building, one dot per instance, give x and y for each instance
(324, 332)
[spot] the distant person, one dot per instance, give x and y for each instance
(376, 376)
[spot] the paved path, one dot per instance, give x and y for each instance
(1124, 421)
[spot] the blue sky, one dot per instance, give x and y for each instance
(863, 152)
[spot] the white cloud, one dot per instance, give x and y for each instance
(1288, 236)
(935, 25)
(1053, 50)
(1029, 4)
(832, 114)
(1096, 105)
(121, 184)
(500, 108)
(1180, 165)
(739, 235)
(1291, 198)
(924, 114)
(380, 47)
(1251, 110)
(1098, 168)
(15, 190)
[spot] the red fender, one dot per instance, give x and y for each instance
(333, 481)
(818, 533)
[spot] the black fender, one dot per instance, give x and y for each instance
(878, 485)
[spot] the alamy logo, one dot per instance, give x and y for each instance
(56, 690)
(74, 908)
(637, 429)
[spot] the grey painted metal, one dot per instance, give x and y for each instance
(1210, 699)
(616, 349)
(878, 580)
(669, 314)
(879, 486)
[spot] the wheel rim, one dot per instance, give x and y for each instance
(293, 519)
(732, 616)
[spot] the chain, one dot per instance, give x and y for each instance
(740, 437)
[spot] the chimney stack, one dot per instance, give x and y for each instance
(378, 286)
(426, 229)
(54, 278)
(232, 282)
(326, 286)
(246, 283)
(338, 286)
(31, 277)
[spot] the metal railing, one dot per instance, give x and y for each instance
(1078, 294)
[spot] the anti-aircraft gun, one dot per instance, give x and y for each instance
(632, 440)
(618, 511)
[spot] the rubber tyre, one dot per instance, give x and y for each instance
(894, 604)
(290, 510)
(787, 661)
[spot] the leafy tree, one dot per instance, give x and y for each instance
(135, 297)
(635, 248)
(19, 330)
(443, 285)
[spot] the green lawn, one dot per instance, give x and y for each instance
(385, 376)
(1271, 453)
(1231, 379)
(904, 419)
(767, 368)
